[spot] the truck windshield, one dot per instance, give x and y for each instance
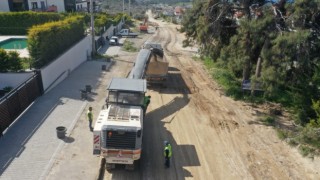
(130, 98)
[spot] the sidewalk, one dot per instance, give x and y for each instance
(31, 150)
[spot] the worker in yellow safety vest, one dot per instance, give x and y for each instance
(167, 153)
(146, 102)
(90, 117)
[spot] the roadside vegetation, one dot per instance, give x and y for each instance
(276, 50)
(129, 46)
(49, 35)
(10, 61)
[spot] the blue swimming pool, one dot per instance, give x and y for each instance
(14, 43)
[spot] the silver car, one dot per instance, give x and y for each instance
(114, 40)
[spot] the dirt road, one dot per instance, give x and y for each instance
(212, 136)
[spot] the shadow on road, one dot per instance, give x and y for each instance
(156, 133)
(174, 85)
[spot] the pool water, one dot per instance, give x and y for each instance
(14, 43)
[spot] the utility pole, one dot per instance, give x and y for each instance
(129, 7)
(122, 6)
(92, 29)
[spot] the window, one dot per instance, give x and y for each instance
(34, 5)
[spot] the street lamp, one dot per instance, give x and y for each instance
(92, 28)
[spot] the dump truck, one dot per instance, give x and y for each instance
(156, 71)
(118, 130)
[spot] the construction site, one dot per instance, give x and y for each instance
(212, 136)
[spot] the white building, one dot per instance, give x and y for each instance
(81, 5)
(42, 5)
(4, 6)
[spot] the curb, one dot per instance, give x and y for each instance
(101, 169)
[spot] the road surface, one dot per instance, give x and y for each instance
(212, 136)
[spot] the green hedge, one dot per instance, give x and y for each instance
(18, 23)
(46, 42)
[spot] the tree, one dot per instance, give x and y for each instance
(9, 61)
(4, 58)
(14, 61)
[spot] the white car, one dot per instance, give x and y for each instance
(114, 40)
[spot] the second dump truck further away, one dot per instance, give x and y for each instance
(118, 131)
(156, 71)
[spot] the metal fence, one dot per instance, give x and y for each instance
(15, 102)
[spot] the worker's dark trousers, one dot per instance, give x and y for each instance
(167, 162)
(90, 124)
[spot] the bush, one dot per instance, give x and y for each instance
(7, 88)
(282, 134)
(128, 46)
(10, 61)
(18, 23)
(306, 150)
(269, 121)
(46, 42)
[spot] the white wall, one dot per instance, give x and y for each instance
(83, 4)
(108, 32)
(59, 69)
(4, 6)
(13, 79)
(119, 26)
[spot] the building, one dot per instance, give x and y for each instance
(43, 5)
(82, 5)
(37, 5)
(49, 5)
(4, 6)
(178, 11)
(17, 5)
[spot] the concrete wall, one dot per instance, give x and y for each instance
(108, 32)
(4, 6)
(13, 79)
(58, 70)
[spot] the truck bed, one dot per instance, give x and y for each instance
(157, 69)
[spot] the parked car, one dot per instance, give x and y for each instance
(114, 40)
